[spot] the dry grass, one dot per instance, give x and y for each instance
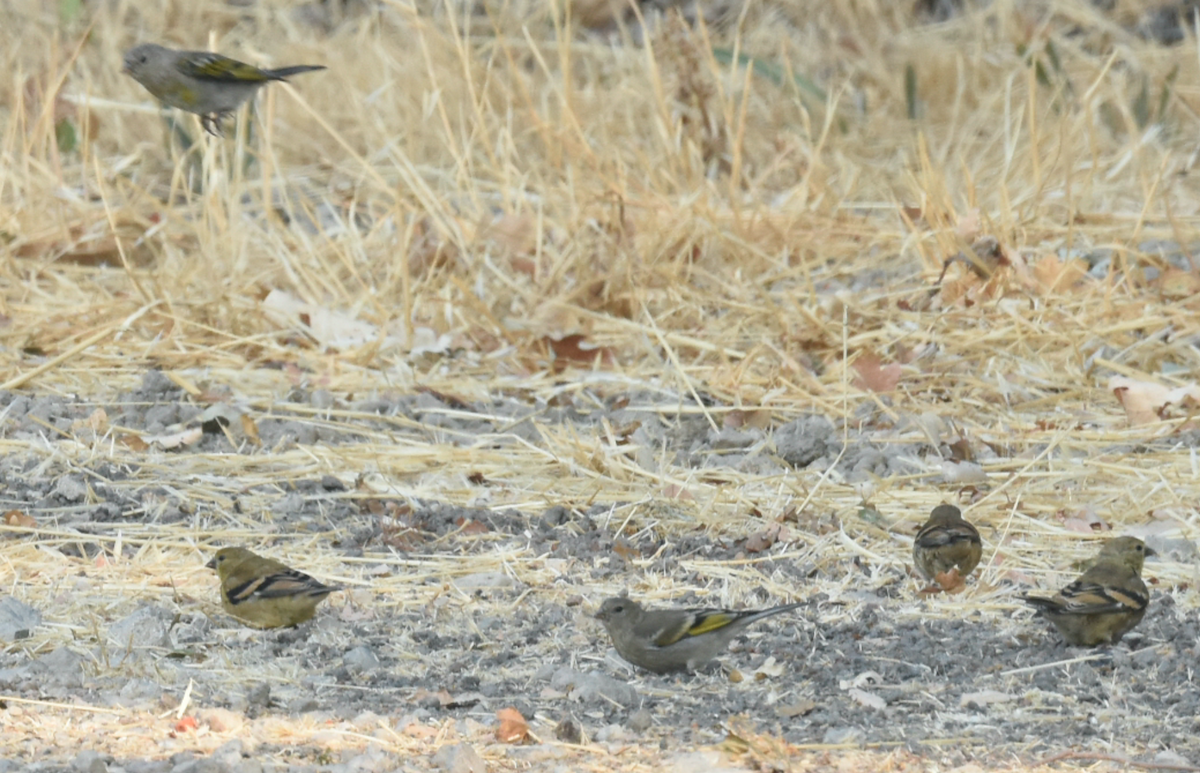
(506, 180)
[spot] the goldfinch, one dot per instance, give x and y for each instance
(1107, 600)
(264, 593)
(662, 640)
(945, 542)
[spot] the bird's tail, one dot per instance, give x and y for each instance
(772, 612)
(283, 73)
(1040, 602)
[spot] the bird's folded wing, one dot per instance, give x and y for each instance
(940, 536)
(278, 585)
(215, 67)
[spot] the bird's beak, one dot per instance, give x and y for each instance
(212, 563)
(1150, 551)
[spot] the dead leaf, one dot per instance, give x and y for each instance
(1083, 521)
(951, 582)
(134, 442)
(756, 419)
(175, 440)
(623, 549)
(770, 669)
(674, 491)
(1146, 401)
(513, 728)
(1177, 284)
(329, 328)
(575, 349)
(444, 698)
(969, 224)
(798, 709)
(1054, 274)
(19, 518)
(250, 429)
(867, 699)
(97, 422)
(764, 538)
(470, 527)
(874, 376)
(513, 234)
(964, 473)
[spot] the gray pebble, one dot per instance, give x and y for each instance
(640, 721)
(360, 659)
(17, 619)
(593, 687)
(459, 758)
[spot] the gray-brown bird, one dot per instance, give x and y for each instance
(1107, 600)
(946, 541)
(662, 640)
(201, 82)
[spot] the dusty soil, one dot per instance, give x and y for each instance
(866, 662)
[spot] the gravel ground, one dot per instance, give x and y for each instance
(865, 662)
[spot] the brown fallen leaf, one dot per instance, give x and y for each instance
(512, 728)
(19, 518)
(763, 539)
(950, 582)
(471, 527)
(1146, 401)
(875, 376)
(576, 349)
(97, 421)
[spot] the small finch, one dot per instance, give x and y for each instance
(264, 593)
(1107, 600)
(945, 542)
(662, 640)
(201, 82)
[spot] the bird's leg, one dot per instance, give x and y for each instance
(212, 123)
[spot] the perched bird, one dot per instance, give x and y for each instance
(946, 541)
(201, 82)
(264, 593)
(662, 640)
(1107, 600)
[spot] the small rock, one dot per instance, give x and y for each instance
(640, 721)
(612, 734)
(842, 735)
(459, 758)
(593, 687)
(145, 627)
(70, 489)
(17, 619)
(360, 659)
(1171, 759)
(484, 580)
(229, 753)
(259, 695)
(61, 666)
(304, 705)
(702, 762)
(90, 761)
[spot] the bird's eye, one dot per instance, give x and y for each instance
(142, 59)
(619, 608)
